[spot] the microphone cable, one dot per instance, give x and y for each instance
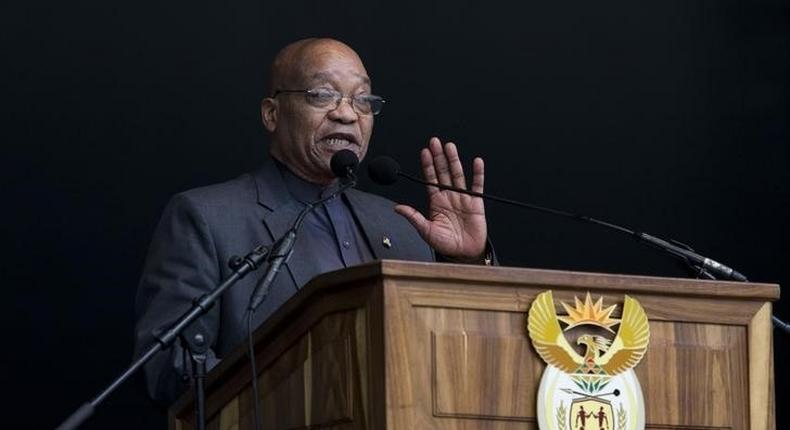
(343, 164)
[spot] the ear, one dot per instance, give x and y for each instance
(269, 109)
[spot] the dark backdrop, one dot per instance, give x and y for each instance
(670, 116)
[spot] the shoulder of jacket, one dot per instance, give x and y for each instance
(220, 194)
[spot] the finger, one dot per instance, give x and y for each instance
(428, 170)
(440, 161)
(454, 162)
(415, 218)
(478, 175)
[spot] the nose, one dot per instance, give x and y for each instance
(344, 111)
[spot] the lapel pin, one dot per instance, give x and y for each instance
(386, 242)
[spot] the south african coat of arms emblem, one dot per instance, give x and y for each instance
(599, 389)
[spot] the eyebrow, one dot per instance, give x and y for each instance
(327, 76)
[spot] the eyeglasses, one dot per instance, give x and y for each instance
(325, 98)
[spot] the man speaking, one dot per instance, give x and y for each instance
(320, 102)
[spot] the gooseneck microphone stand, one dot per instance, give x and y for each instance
(195, 341)
(281, 250)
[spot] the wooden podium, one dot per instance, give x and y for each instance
(400, 345)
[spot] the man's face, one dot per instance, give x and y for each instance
(305, 137)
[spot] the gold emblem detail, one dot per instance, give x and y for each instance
(589, 313)
(602, 357)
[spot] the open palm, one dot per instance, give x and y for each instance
(456, 224)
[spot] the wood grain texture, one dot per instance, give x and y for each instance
(484, 376)
(693, 376)
(760, 380)
(396, 345)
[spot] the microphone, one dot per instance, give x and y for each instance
(703, 265)
(385, 171)
(343, 165)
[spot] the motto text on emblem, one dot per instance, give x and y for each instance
(598, 390)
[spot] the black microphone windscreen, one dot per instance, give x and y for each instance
(384, 170)
(343, 163)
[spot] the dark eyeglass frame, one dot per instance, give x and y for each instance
(376, 103)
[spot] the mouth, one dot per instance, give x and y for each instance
(338, 141)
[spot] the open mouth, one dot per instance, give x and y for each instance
(338, 140)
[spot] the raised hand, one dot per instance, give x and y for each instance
(456, 223)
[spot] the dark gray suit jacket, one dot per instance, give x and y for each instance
(202, 228)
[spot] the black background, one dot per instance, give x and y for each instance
(668, 116)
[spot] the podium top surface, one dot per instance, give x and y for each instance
(558, 279)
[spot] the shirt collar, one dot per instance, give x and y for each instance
(300, 189)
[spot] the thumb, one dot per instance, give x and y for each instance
(415, 218)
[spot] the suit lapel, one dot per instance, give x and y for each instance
(386, 239)
(281, 212)
(382, 240)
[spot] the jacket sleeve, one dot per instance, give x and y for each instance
(181, 265)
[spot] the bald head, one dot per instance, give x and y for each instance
(290, 65)
(304, 131)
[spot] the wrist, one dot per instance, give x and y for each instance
(486, 258)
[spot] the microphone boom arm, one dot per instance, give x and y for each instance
(689, 256)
